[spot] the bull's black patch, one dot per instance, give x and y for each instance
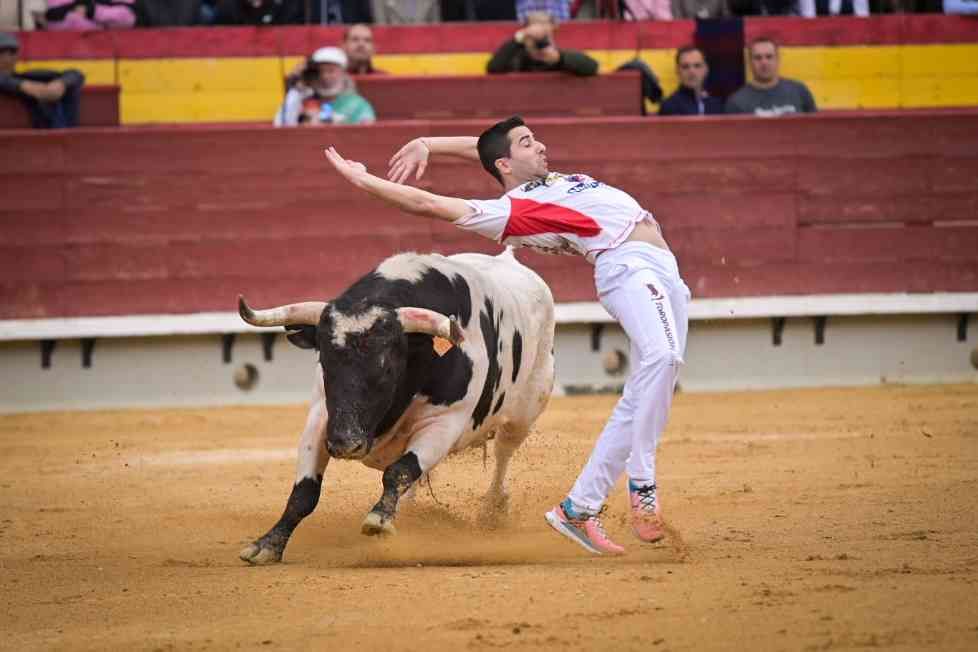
(304, 337)
(490, 333)
(499, 403)
(517, 353)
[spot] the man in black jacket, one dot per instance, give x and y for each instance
(51, 97)
(690, 98)
(533, 49)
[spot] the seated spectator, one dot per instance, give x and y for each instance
(769, 94)
(533, 49)
(406, 12)
(701, 9)
(690, 98)
(358, 45)
(559, 10)
(51, 97)
(648, 9)
(813, 8)
(961, 7)
(324, 94)
(64, 15)
(258, 12)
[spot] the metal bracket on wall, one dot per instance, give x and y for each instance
(963, 327)
(267, 342)
(820, 330)
(87, 347)
(777, 329)
(47, 348)
(227, 344)
(596, 330)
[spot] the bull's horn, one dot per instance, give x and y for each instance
(306, 313)
(422, 320)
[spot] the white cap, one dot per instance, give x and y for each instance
(330, 55)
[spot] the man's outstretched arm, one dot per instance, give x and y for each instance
(408, 199)
(413, 157)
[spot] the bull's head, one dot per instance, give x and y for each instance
(364, 355)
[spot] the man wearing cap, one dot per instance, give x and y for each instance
(51, 97)
(324, 94)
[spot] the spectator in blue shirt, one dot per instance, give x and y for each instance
(690, 98)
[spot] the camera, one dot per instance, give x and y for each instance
(542, 43)
(310, 74)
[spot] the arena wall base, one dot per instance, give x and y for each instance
(723, 354)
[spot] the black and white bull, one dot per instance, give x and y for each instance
(390, 395)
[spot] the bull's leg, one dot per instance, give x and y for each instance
(497, 498)
(398, 478)
(427, 448)
(312, 462)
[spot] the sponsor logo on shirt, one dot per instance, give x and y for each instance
(582, 186)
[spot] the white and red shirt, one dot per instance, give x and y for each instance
(560, 214)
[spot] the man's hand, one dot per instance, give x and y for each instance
(352, 171)
(411, 157)
(44, 92)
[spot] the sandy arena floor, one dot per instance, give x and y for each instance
(809, 520)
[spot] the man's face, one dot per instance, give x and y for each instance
(8, 60)
(359, 43)
(527, 156)
(764, 62)
(692, 69)
(330, 78)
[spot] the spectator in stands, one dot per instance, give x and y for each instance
(961, 7)
(259, 12)
(769, 94)
(51, 97)
(65, 15)
(813, 8)
(358, 45)
(324, 94)
(533, 49)
(702, 9)
(647, 9)
(406, 12)
(558, 9)
(690, 98)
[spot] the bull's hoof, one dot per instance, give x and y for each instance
(259, 555)
(375, 524)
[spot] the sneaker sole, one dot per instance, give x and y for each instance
(562, 529)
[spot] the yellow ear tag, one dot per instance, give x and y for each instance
(441, 345)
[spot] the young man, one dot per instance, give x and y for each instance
(690, 98)
(636, 277)
(768, 93)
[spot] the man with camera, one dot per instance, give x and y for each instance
(533, 49)
(324, 93)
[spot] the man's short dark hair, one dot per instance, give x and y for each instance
(685, 49)
(494, 144)
(762, 39)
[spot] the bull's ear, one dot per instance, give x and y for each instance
(304, 337)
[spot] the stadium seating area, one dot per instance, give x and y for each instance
(235, 73)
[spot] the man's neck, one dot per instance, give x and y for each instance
(697, 92)
(771, 83)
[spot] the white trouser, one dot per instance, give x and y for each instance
(639, 284)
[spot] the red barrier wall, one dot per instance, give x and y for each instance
(180, 220)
